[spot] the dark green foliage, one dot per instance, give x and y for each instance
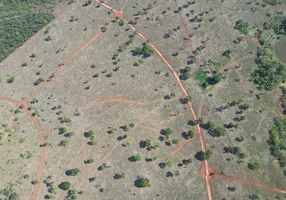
(146, 50)
(71, 195)
(168, 132)
(143, 182)
(227, 53)
(270, 72)
(232, 150)
(89, 161)
(277, 140)
(8, 192)
(254, 197)
(102, 167)
(87, 3)
(272, 2)
(89, 133)
(11, 79)
(191, 134)
(210, 125)
(147, 143)
(280, 27)
(283, 100)
(19, 21)
(135, 158)
(188, 161)
(200, 120)
(72, 172)
(217, 132)
(62, 130)
(65, 120)
(242, 26)
(253, 166)
(203, 155)
(212, 80)
(65, 185)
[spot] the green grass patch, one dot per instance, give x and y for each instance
(200, 76)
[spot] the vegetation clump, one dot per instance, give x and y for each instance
(65, 185)
(72, 172)
(142, 183)
(145, 51)
(253, 166)
(270, 73)
(277, 140)
(203, 155)
(242, 26)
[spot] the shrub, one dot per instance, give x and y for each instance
(253, 166)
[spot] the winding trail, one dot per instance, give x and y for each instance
(181, 145)
(109, 99)
(250, 183)
(237, 61)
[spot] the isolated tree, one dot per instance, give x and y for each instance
(72, 172)
(203, 155)
(138, 157)
(253, 166)
(144, 182)
(168, 132)
(147, 143)
(190, 134)
(188, 161)
(89, 133)
(200, 120)
(208, 154)
(65, 185)
(210, 125)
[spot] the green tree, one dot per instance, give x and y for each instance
(72, 172)
(190, 134)
(253, 166)
(145, 182)
(65, 185)
(200, 120)
(168, 132)
(138, 157)
(210, 125)
(89, 133)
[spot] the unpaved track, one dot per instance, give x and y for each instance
(109, 99)
(237, 61)
(248, 182)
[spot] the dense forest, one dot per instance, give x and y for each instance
(270, 72)
(277, 140)
(19, 20)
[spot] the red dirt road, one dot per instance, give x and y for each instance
(42, 140)
(248, 182)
